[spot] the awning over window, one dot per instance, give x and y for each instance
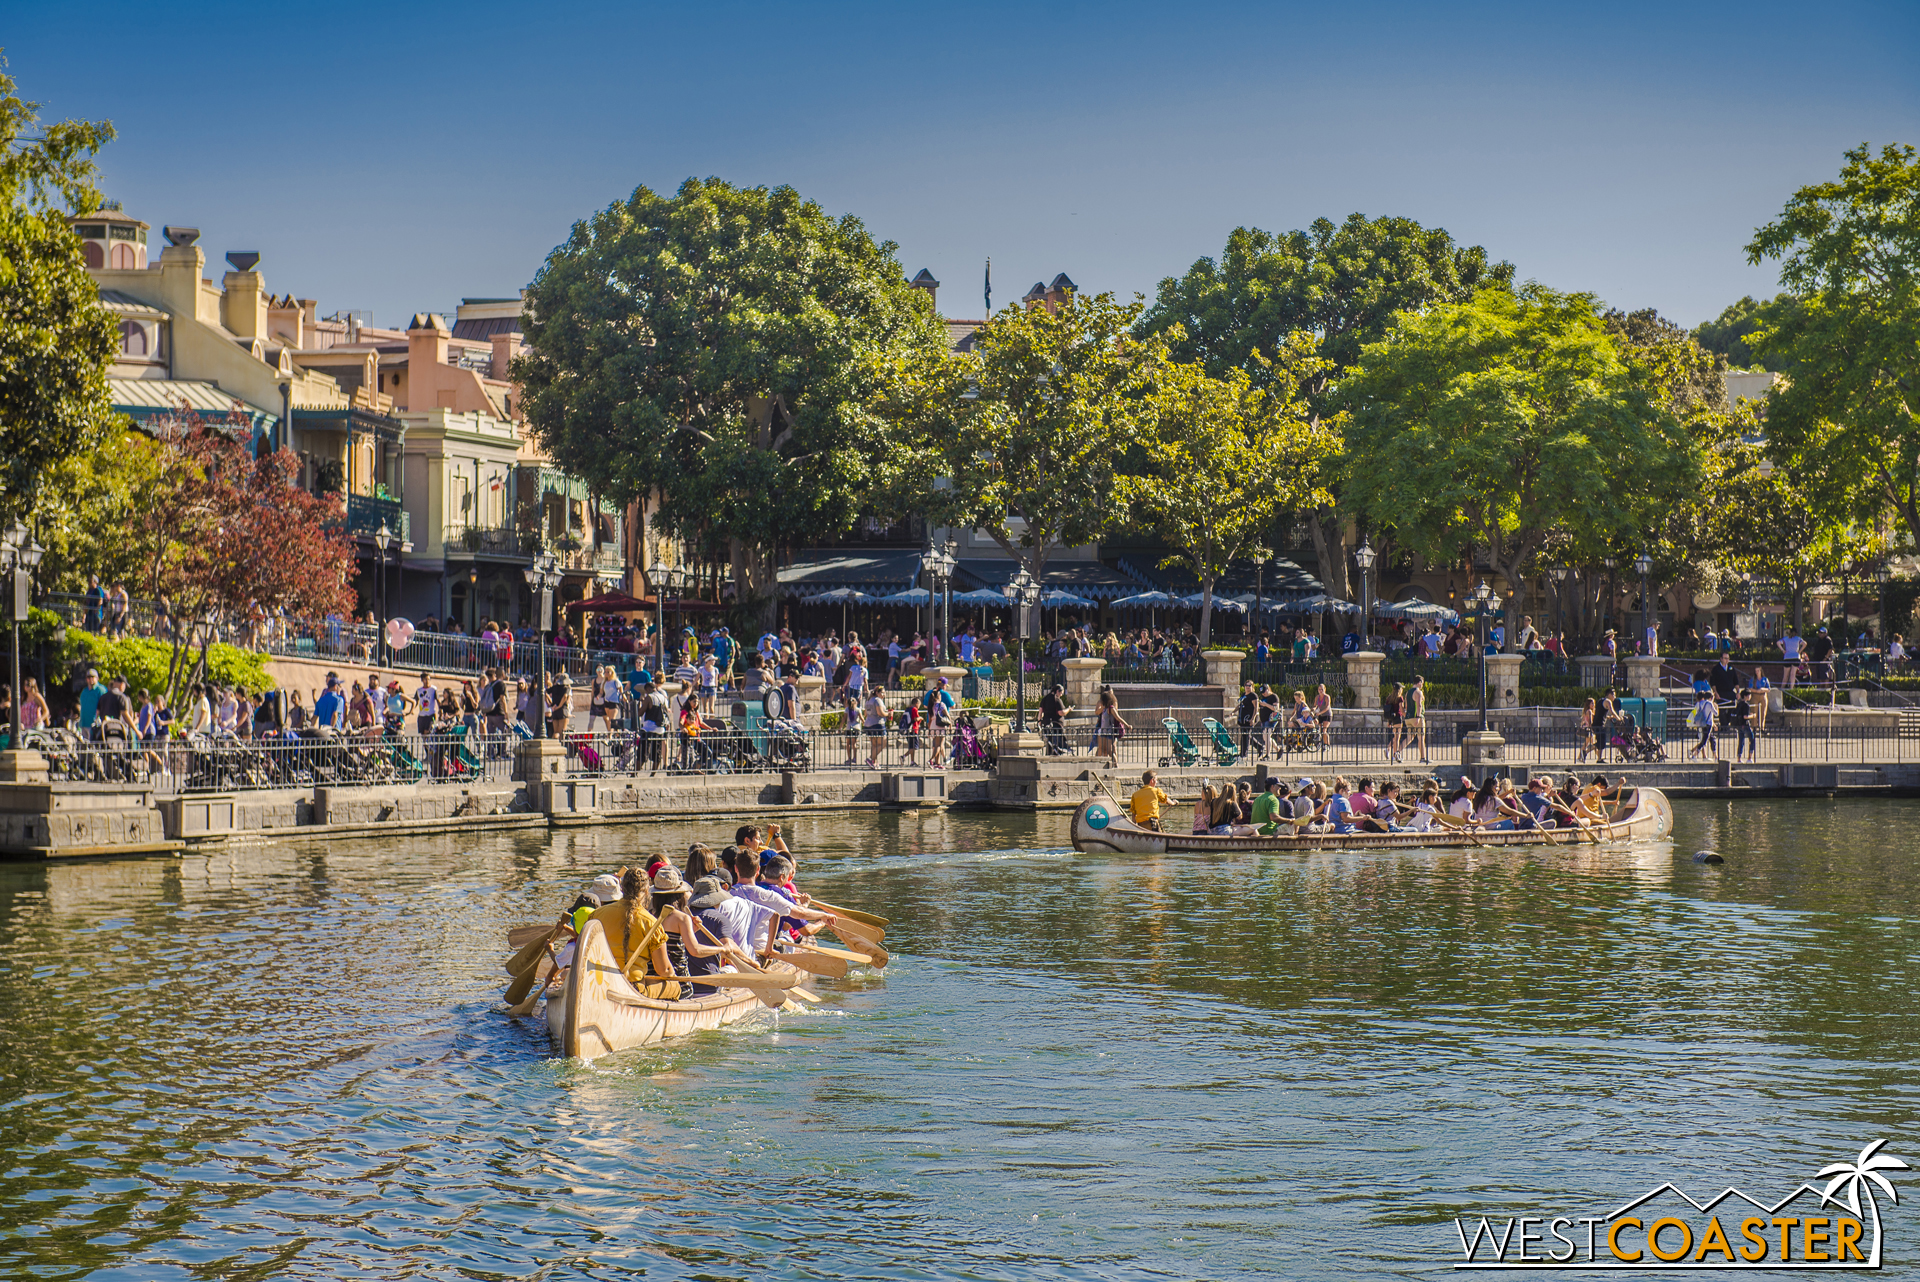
(1083, 578)
(880, 571)
(146, 398)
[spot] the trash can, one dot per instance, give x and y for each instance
(970, 684)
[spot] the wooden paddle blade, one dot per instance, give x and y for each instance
(520, 936)
(817, 964)
(805, 995)
(871, 947)
(524, 982)
(865, 959)
(529, 953)
(871, 919)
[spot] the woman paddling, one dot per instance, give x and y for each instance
(635, 935)
(670, 898)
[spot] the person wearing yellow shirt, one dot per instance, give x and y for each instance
(636, 936)
(1146, 802)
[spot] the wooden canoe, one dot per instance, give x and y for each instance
(599, 1012)
(1102, 825)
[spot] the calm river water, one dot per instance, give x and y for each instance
(288, 1060)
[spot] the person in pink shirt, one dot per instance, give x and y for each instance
(1362, 801)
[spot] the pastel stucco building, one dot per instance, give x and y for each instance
(417, 428)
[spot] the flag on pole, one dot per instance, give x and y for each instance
(989, 287)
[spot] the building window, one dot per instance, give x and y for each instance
(96, 257)
(133, 338)
(123, 258)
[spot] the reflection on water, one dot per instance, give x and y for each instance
(286, 1060)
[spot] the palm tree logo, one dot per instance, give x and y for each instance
(1863, 1174)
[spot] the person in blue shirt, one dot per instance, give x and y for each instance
(1536, 803)
(1339, 811)
(722, 646)
(329, 707)
(90, 699)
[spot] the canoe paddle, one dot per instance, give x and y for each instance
(850, 935)
(865, 959)
(879, 924)
(817, 964)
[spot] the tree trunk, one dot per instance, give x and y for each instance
(1206, 611)
(1328, 528)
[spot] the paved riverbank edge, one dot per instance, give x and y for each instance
(41, 821)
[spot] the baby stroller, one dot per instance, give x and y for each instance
(1641, 745)
(968, 752)
(787, 743)
(1179, 743)
(1225, 751)
(590, 759)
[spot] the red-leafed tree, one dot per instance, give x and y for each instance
(230, 531)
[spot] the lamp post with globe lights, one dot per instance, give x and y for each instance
(1485, 601)
(1644, 564)
(543, 576)
(19, 554)
(1363, 557)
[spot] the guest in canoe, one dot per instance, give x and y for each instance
(635, 935)
(1268, 807)
(1203, 808)
(1460, 800)
(1424, 810)
(1386, 809)
(747, 885)
(723, 920)
(583, 908)
(1144, 805)
(670, 902)
(702, 861)
(1339, 810)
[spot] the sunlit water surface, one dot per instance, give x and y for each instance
(288, 1060)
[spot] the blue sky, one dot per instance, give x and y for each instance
(398, 157)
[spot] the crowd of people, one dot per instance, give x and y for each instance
(1311, 807)
(724, 912)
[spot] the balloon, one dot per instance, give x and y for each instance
(399, 634)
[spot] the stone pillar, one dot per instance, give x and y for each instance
(25, 766)
(1223, 670)
(1363, 674)
(1083, 683)
(1503, 680)
(538, 762)
(807, 690)
(1643, 676)
(1483, 749)
(953, 675)
(1596, 671)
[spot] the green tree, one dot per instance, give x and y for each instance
(1850, 250)
(56, 341)
(1225, 458)
(719, 349)
(1494, 423)
(93, 515)
(1344, 284)
(1732, 333)
(1022, 435)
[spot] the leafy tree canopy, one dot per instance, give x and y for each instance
(56, 341)
(1850, 250)
(1020, 437)
(1494, 423)
(1225, 458)
(1731, 333)
(718, 348)
(1345, 284)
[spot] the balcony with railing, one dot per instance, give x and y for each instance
(500, 544)
(366, 514)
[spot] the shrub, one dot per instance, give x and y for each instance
(144, 662)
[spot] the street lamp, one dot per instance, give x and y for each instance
(473, 600)
(1485, 601)
(1259, 555)
(19, 553)
(1883, 576)
(668, 580)
(1363, 558)
(1644, 564)
(382, 540)
(543, 576)
(1026, 598)
(1559, 575)
(940, 563)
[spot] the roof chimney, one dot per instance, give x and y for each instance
(1058, 292)
(243, 307)
(506, 346)
(926, 281)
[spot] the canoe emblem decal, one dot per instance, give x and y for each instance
(1097, 817)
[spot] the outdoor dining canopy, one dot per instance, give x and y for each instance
(1419, 611)
(842, 597)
